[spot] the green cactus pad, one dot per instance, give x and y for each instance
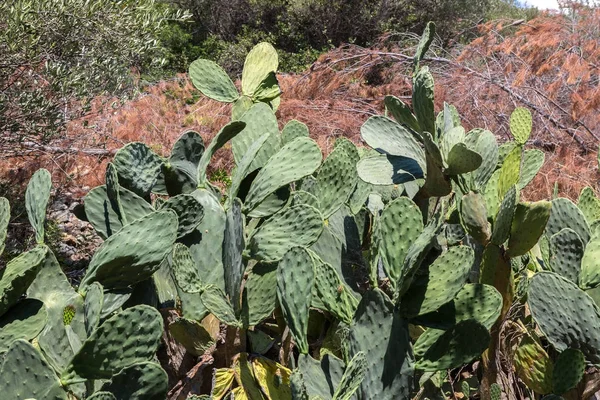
(4, 220)
(212, 81)
(92, 306)
(268, 90)
(533, 365)
(36, 200)
(19, 273)
(135, 252)
(129, 337)
(242, 168)
(294, 161)
(297, 386)
(321, 377)
(473, 215)
(331, 293)
(446, 276)
(336, 180)
(189, 212)
(424, 43)
(589, 205)
(388, 170)
(352, 378)
(446, 120)
(457, 346)
(565, 314)
(143, 381)
(565, 214)
(569, 368)
(401, 112)
(185, 270)
(389, 137)
(260, 61)
(272, 204)
(399, 226)
(299, 225)
(422, 99)
(25, 321)
(293, 130)
(379, 332)
(112, 192)
(104, 218)
(528, 225)
(191, 335)
(260, 121)
(233, 246)
(484, 143)
(566, 253)
(26, 375)
(215, 301)
(475, 301)
(495, 392)
(138, 168)
(179, 174)
(510, 171)
(259, 298)
(416, 254)
(490, 193)
(52, 287)
(504, 218)
(227, 133)
(590, 265)
(520, 124)
(462, 160)
(295, 280)
(205, 242)
(531, 165)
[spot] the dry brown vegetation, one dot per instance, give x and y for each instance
(550, 65)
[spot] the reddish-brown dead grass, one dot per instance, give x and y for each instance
(347, 85)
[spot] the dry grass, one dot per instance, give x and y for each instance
(344, 87)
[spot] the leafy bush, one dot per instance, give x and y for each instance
(58, 55)
(380, 272)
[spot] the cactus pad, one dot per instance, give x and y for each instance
(566, 253)
(422, 99)
(321, 377)
(528, 225)
(260, 61)
(388, 137)
(143, 381)
(293, 130)
(532, 163)
(4, 220)
(25, 321)
(565, 214)
(227, 133)
(191, 335)
(215, 301)
(294, 161)
(510, 171)
(135, 252)
(462, 160)
(568, 370)
(565, 314)
(457, 346)
(212, 81)
(336, 179)
(400, 225)
(259, 298)
(36, 200)
(447, 275)
(504, 218)
(473, 215)
(520, 124)
(138, 168)
(19, 273)
(401, 112)
(332, 294)
(299, 225)
(124, 339)
(26, 375)
(189, 212)
(377, 331)
(533, 365)
(295, 280)
(388, 170)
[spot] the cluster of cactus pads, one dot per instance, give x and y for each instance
(375, 273)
